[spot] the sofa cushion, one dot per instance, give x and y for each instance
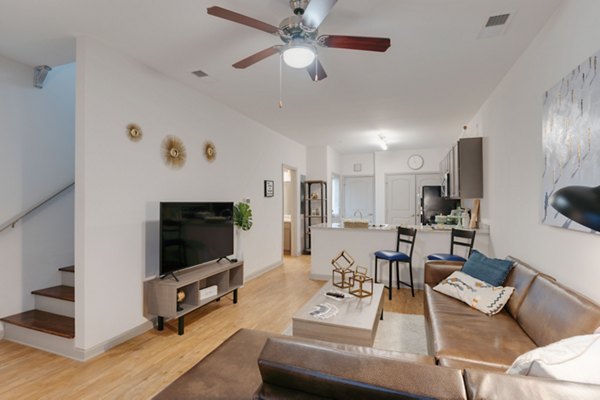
(229, 372)
(462, 333)
(325, 370)
(550, 312)
(520, 277)
(475, 293)
(484, 385)
(464, 364)
(491, 270)
(575, 359)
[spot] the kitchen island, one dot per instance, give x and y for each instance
(328, 240)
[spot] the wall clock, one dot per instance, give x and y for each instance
(415, 162)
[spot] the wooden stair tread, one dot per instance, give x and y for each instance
(58, 292)
(70, 268)
(46, 322)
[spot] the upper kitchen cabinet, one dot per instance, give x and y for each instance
(462, 170)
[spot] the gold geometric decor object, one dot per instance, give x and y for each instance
(134, 132)
(341, 275)
(173, 152)
(210, 151)
(361, 279)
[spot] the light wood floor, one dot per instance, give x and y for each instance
(141, 367)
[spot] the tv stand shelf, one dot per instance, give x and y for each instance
(161, 294)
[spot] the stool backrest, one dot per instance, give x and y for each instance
(406, 235)
(464, 238)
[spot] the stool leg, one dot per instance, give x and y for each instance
(412, 286)
(397, 275)
(376, 260)
(390, 282)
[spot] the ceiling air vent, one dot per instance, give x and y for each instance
(200, 74)
(497, 20)
(495, 26)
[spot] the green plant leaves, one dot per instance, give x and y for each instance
(242, 216)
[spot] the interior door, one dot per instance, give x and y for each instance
(359, 197)
(400, 199)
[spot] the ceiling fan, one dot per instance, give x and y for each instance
(300, 36)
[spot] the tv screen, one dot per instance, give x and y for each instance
(194, 233)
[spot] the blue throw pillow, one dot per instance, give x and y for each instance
(490, 270)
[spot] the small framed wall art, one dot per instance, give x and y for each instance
(269, 188)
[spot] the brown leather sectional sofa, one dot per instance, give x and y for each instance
(540, 312)
(472, 350)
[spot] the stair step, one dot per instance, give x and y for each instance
(70, 268)
(58, 292)
(46, 322)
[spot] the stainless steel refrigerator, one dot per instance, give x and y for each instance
(432, 204)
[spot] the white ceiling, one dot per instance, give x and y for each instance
(419, 93)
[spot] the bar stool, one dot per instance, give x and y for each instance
(405, 235)
(459, 237)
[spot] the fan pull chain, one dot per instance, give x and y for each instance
(281, 81)
(316, 67)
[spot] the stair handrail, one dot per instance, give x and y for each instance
(11, 222)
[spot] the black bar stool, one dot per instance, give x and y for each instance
(405, 235)
(459, 237)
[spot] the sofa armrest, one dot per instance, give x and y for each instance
(330, 371)
(436, 271)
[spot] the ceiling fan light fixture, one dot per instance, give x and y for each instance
(299, 56)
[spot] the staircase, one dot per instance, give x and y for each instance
(51, 325)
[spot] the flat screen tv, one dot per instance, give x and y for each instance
(194, 233)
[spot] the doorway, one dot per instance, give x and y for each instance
(359, 197)
(290, 210)
(335, 199)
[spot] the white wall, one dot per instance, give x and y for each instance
(366, 161)
(396, 162)
(511, 123)
(37, 134)
(120, 183)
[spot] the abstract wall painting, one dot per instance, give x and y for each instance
(571, 149)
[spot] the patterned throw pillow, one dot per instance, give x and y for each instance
(478, 294)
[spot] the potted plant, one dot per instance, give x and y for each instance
(242, 218)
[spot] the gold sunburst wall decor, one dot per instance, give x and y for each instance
(134, 132)
(173, 152)
(210, 151)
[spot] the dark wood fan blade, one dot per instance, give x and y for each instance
(316, 71)
(355, 42)
(256, 57)
(316, 12)
(241, 19)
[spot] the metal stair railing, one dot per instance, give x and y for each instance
(11, 222)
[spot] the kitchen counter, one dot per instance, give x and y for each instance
(384, 228)
(328, 240)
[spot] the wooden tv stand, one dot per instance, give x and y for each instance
(161, 294)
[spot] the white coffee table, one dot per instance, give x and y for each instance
(355, 323)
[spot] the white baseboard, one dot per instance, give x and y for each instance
(264, 270)
(320, 277)
(98, 349)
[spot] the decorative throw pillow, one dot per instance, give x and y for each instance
(573, 359)
(490, 270)
(476, 293)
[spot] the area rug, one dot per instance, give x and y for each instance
(399, 332)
